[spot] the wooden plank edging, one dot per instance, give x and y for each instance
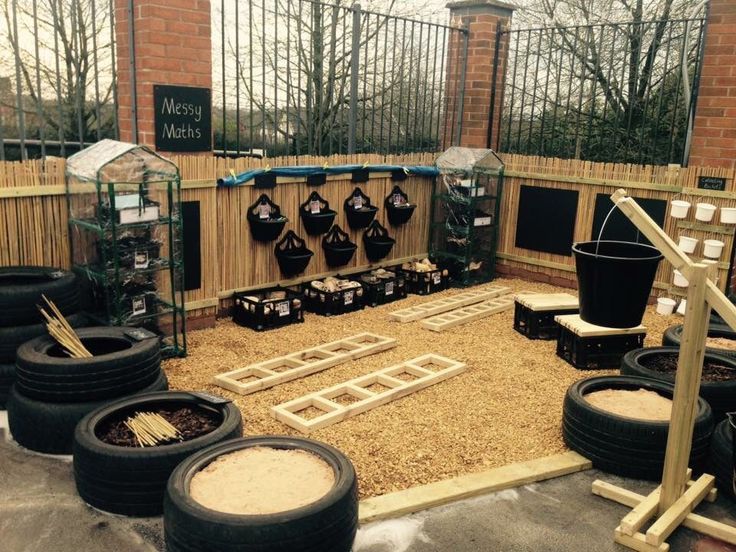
(423, 497)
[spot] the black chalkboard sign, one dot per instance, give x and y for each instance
(183, 118)
(712, 183)
(619, 227)
(546, 219)
(192, 245)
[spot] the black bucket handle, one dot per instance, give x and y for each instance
(603, 226)
(290, 242)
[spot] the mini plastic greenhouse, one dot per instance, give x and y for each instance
(125, 225)
(465, 212)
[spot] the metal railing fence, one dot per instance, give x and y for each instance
(57, 79)
(619, 92)
(305, 77)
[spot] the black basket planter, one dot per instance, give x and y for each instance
(292, 254)
(377, 242)
(320, 222)
(399, 212)
(266, 229)
(362, 217)
(338, 248)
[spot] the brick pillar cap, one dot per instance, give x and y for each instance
(461, 4)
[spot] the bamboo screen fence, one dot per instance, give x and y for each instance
(33, 215)
(34, 231)
(590, 179)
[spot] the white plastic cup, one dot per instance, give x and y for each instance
(728, 215)
(679, 208)
(687, 244)
(681, 307)
(704, 211)
(665, 305)
(679, 280)
(713, 248)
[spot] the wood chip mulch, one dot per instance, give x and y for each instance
(505, 408)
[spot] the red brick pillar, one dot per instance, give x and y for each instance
(714, 132)
(482, 19)
(173, 45)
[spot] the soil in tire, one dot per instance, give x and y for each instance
(192, 422)
(666, 363)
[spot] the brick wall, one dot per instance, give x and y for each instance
(714, 132)
(173, 45)
(481, 18)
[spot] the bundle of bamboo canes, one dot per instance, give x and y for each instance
(62, 332)
(150, 429)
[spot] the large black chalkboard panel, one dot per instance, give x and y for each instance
(618, 226)
(182, 118)
(546, 220)
(192, 245)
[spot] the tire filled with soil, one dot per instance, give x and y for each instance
(630, 445)
(202, 513)
(721, 339)
(48, 427)
(718, 381)
(720, 458)
(114, 473)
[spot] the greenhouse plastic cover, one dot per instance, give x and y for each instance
(466, 160)
(113, 161)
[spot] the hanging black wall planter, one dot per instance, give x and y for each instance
(359, 210)
(292, 254)
(339, 250)
(377, 242)
(265, 219)
(398, 208)
(316, 215)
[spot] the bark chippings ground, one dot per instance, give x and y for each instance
(505, 408)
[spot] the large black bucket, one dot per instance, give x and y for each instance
(614, 281)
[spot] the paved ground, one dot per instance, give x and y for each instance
(40, 511)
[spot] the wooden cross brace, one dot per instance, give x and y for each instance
(674, 500)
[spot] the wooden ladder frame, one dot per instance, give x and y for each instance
(363, 398)
(447, 320)
(445, 304)
(673, 501)
(302, 363)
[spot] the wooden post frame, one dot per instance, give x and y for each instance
(671, 504)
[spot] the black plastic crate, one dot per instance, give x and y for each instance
(538, 324)
(265, 313)
(330, 303)
(379, 291)
(425, 283)
(595, 352)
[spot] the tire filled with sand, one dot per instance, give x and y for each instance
(639, 404)
(262, 480)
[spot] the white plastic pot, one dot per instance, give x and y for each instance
(679, 280)
(687, 244)
(679, 208)
(704, 211)
(728, 215)
(681, 307)
(713, 248)
(665, 305)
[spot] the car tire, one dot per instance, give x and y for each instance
(22, 287)
(326, 525)
(673, 336)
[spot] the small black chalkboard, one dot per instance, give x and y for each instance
(546, 219)
(712, 183)
(183, 118)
